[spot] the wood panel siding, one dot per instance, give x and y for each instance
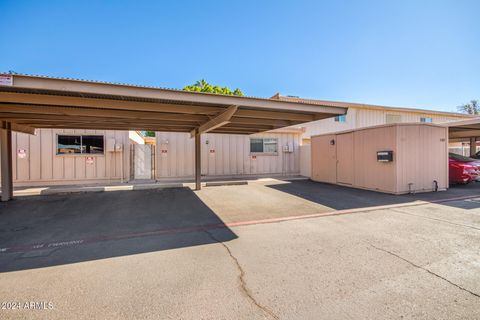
(359, 118)
(224, 155)
(42, 166)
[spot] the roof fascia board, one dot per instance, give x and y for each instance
(464, 122)
(374, 107)
(17, 127)
(29, 82)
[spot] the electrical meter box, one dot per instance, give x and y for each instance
(288, 148)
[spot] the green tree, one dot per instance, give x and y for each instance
(204, 86)
(471, 108)
(148, 133)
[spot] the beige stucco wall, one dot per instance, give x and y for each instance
(419, 150)
(42, 166)
(224, 155)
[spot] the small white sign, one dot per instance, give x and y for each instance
(6, 80)
(89, 160)
(22, 153)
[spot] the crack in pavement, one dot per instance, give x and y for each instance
(241, 278)
(426, 270)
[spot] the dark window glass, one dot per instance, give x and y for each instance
(92, 144)
(68, 144)
(256, 145)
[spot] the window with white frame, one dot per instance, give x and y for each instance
(80, 144)
(426, 119)
(264, 145)
(341, 118)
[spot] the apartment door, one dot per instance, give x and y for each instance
(345, 161)
(143, 161)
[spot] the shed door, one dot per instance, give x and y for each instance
(345, 158)
(323, 158)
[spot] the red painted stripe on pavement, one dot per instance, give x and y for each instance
(51, 245)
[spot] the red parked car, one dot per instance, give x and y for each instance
(462, 169)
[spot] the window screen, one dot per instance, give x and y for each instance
(75, 144)
(270, 145)
(341, 118)
(263, 145)
(69, 144)
(426, 119)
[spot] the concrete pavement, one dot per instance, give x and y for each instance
(418, 262)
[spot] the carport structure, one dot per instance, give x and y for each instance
(29, 102)
(465, 129)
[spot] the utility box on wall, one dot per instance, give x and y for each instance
(396, 158)
(385, 156)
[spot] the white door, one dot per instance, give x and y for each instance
(142, 161)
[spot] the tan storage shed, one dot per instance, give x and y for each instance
(395, 158)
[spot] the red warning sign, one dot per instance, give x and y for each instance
(22, 153)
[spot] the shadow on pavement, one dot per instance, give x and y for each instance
(95, 219)
(342, 198)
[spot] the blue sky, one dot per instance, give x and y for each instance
(422, 54)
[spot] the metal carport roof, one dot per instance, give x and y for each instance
(42, 102)
(469, 128)
(462, 130)
(28, 102)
